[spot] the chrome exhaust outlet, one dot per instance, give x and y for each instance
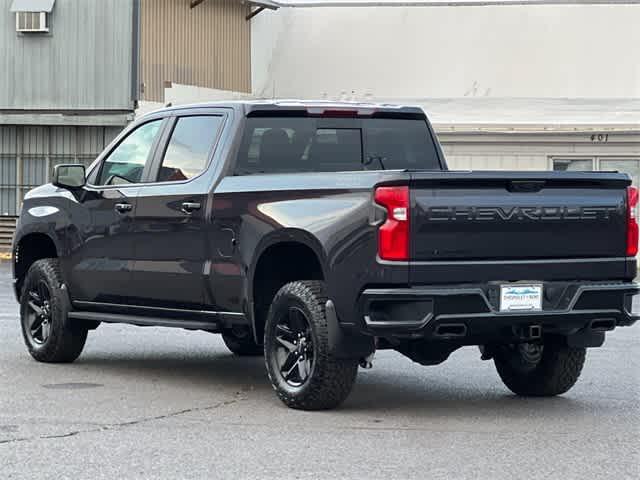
(451, 330)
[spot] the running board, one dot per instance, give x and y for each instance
(145, 321)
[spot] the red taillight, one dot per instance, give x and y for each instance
(632, 223)
(393, 235)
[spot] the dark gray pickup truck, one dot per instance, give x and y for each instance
(317, 233)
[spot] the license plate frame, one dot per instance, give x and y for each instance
(521, 297)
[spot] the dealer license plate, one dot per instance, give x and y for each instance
(520, 297)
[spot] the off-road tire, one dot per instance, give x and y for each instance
(242, 345)
(66, 339)
(554, 374)
(331, 379)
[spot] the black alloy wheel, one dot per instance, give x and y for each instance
(50, 336)
(304, 370)
(38, 315)
(294, 351)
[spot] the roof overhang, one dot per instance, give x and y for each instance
(32, 6)
(273, 5)
(265, 4)
(105, 119)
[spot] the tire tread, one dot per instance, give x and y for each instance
(67, 340)
(558, 371)
(333, 378)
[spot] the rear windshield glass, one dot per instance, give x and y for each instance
(306, 144)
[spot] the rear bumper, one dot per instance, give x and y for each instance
(469, 314)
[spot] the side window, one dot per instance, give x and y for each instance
(188, 149)
(126, 163)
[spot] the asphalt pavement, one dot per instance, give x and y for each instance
(158, 403)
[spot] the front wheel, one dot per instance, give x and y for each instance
(539, 370)
(304, 372)
(49, 335)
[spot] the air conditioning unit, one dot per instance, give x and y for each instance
(32, 16)
(31, 22)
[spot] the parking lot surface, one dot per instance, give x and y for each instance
(159, 403)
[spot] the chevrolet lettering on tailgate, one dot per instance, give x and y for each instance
(439, 214)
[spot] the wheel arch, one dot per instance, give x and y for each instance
(298, 256)
(29, 248)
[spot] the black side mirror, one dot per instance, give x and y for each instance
(69, 176)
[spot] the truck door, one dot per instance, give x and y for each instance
(171, 222)
(101, 240)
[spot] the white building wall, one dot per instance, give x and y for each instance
(536, 151)
(545, 80)
(179, 94)
(575, 51)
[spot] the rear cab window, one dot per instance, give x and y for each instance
(284, 144)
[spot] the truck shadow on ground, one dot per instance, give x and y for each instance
(427, 394)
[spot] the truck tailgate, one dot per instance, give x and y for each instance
(464, 216)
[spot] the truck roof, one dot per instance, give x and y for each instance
(313, 106)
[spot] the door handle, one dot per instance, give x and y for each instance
(190, 207)
(123, 207)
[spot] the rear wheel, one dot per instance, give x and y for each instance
(539, 370)
(47, 332)
(303, 371)
(240, 341)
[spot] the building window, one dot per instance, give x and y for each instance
(573, 164)
(32, 16)
(623, 165)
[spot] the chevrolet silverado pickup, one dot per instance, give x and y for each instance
(316, 233)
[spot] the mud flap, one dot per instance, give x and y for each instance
(346, 344)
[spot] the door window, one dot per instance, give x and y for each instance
(188, 149)
(126, 163)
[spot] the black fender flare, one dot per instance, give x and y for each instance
(290, 235)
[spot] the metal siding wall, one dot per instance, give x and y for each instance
(83, 63)
(7, 186)
(110, 133)
(8, 163)
(207, 46)
(28, 155)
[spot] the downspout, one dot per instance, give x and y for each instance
(135, 55)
